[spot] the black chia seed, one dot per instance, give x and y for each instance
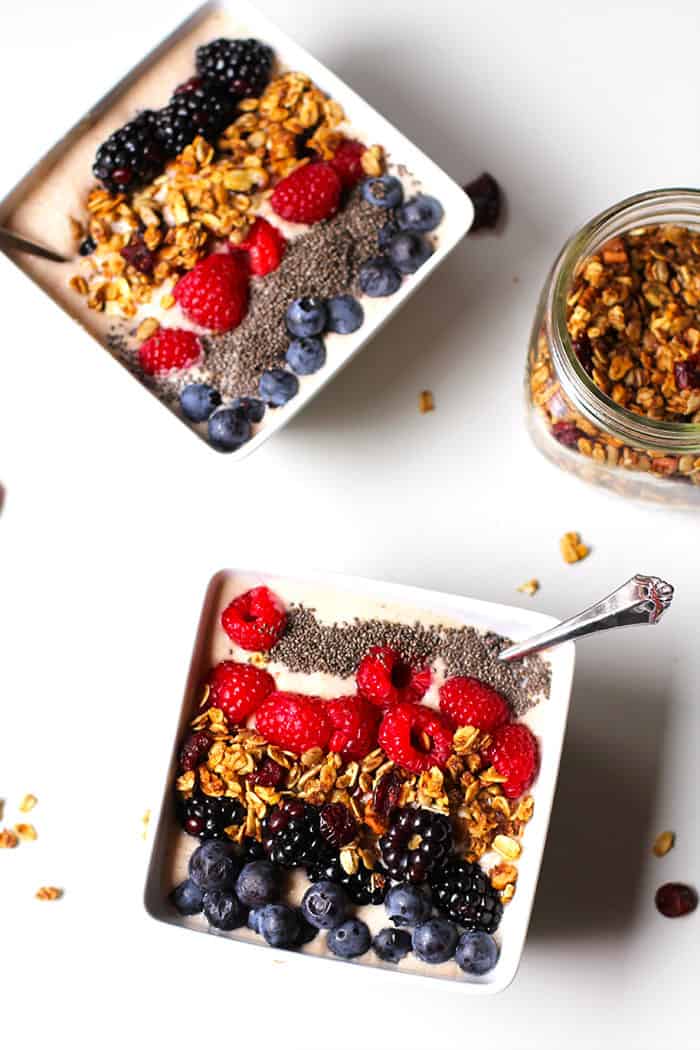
(308, 645)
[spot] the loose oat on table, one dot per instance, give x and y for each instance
(26, 832)
(530, 587)
(48, 893)
(426, 401)
(572, 550)
(8, 839)
(663, 843)
(28, 803)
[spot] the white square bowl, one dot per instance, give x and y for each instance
(547, 720)
(243, 20)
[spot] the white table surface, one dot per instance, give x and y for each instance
(113, 522)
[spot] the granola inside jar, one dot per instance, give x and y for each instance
(613, 377)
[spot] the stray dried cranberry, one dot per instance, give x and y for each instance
(195, 748)
(567, 434)
(387, 793)
(338, 826)
(138, 255)
(270, 774)
(584, 352)
(674, 899)
(486, 197)
(687, 373)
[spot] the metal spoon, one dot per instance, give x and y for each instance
(643, 599)
(13, 242)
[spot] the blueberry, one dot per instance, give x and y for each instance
(254, 917)
(87, 246)
(306, 316)
(187, 898)
(387, 232)
(279, 925)
(345, 314)
(228, 429)
(258, 883)
(277, 387)
(306, 356)
(421, 213)
(378, 277)
(392, 945)
(254, 408)
(198, 401)
(384, 191)
(408, 251)
(324, 905)
(477, 952)
(407, 905)
(223, 910)
(213, 866)
(435, 941)
(350, 939)
(307, 932)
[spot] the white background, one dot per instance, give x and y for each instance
(114, 519)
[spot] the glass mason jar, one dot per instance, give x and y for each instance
(571, 420)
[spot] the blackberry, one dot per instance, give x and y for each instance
(291, 834)
(243, 66)
(364, 887)
(201, 109)
(416, 841)
(130, 156)
(462, 891)
(207, 817)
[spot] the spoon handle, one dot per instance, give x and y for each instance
(643, 599)
(10, 241)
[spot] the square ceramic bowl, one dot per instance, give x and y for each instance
(57, 186)
(344, 597)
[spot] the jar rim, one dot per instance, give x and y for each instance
(674, 206)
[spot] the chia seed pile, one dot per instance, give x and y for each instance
(308, 645)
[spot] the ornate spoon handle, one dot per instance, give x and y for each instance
(643, 599)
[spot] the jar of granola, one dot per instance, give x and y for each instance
(613, 379)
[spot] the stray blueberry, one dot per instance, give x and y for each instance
(350, 939)
(223, 910)
(421, 213)
(213, 866)
(435, 941)
(345, 314)
(254, 917)
(392, 945)
(253, 407)
(307, 932)
(324, 905)
(486, 197)
(378, 277)
(87, 246)
(258, 883)
(187, 898)
(306, 316)
(198, 401)
(408, 251)
(279, 925)
(229, 428)
(477, 952)
(408, 905)
(384, 191)
(277, 387)
(306, 356)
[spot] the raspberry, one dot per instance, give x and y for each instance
(238, 689)
(215, 293)
(469, 702)
(415, 737)
(309, 194)
(265, 246)
(385, 679)
(293, 722)
(168, 349)
(354, 723)
(194, 750)
(255, 620)
(347, 162)
(515, 755)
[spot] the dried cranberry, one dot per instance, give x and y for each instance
(584, 352)
(195, 748)
(270, 774)
(387, 793)
(687, 373)
(338, 826)
(138, 255)
(486, 197)
(567, 433)
(674, 899)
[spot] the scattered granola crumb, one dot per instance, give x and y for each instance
(27, 832)
(28, 803)
(8, 839)
(663, 843)
(145, 820)
(48, 893)
(426, 402)
(572, 550)
(530, 587)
